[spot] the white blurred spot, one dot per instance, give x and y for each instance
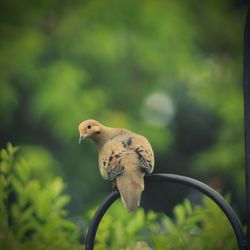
(158, 109)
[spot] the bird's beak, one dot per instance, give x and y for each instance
(81, 139)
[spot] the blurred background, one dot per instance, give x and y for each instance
(170, 70)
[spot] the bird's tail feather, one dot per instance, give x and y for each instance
(130, 186)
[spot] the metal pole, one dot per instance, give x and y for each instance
(202, 187)
(212, 194)
(90, 238)
(247, 118)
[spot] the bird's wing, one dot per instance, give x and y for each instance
(142, 147)
(113, 153)
(110, 159)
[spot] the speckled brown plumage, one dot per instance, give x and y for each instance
(124, 158)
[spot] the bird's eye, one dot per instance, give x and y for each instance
(89, 126)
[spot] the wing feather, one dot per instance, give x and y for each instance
(116, 150)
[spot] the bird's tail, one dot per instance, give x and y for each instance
(130, 186)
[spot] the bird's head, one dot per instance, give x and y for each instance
(89, 128)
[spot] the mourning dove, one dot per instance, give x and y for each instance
(124, 158)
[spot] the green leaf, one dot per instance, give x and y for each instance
(4, 155)
(4, 167)
(11, 149)
(180, 214)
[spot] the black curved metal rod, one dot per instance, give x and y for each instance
(212, 194)
(90, 238)
(200, 186)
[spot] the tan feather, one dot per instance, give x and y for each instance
(124, 158)
(131, 183)
(130, 186)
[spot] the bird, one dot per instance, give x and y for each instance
(124, 158)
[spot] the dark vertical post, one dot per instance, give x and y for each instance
(247, 117)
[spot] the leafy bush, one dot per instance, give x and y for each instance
(32, 214)
(193, 227)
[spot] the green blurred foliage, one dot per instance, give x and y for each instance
(195, 227)
(33, 216)
(32, 211)
(170, 70)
